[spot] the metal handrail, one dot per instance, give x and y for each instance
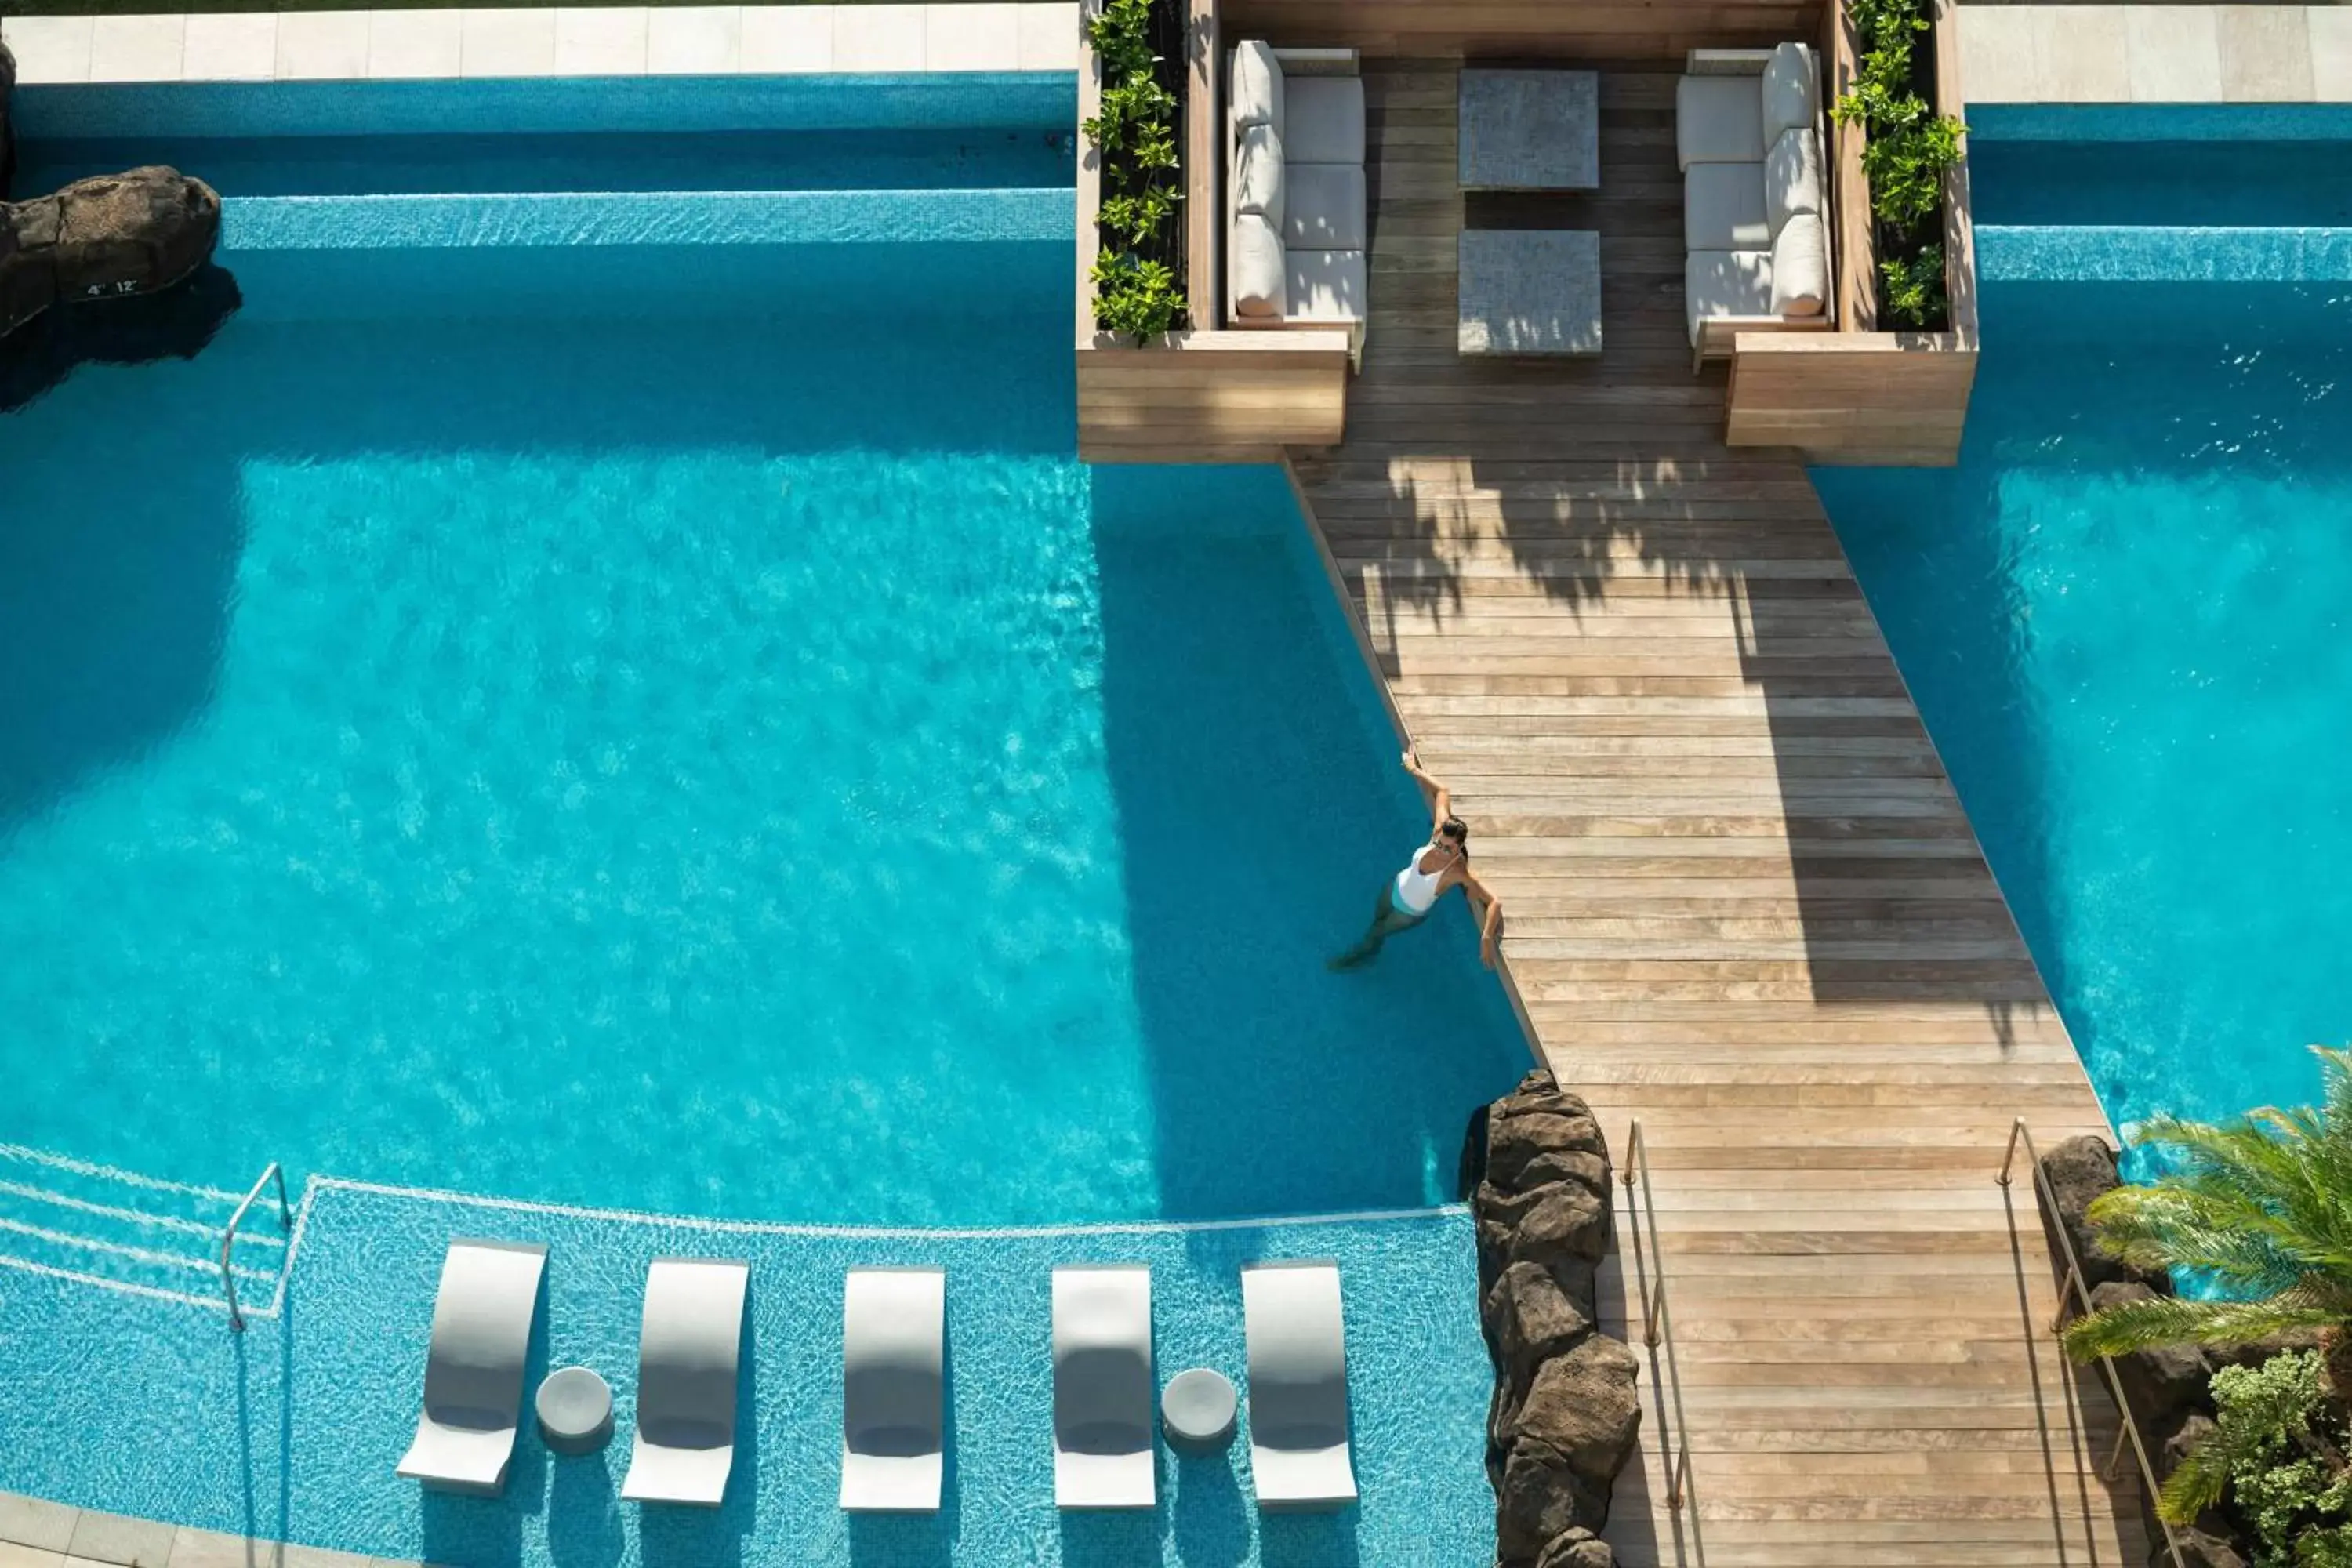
(2073, 1287)
(229, 1236)
(1657, 1327)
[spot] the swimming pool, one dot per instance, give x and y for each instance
(638, 734)
(2122, 618)
(577, 707)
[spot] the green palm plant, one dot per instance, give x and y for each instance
(2263, 1206)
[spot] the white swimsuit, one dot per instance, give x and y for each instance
(1415, 890)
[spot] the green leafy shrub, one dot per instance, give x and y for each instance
(2277, 1451)
(1908, 151)
(1137, 293)
(1913, 290)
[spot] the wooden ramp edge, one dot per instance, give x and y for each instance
(1743, 902)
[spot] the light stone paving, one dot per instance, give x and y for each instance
(619, 40)
(2156, 54)
(36, 1533)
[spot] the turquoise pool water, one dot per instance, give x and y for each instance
(2124, 618)
(672, 726)
(629, 701)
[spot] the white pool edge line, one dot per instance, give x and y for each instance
(313, 1185)
(903, 1233)
(113, 1173)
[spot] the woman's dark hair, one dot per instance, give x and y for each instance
(1453, 828)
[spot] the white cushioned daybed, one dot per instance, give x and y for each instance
(1748, 136)
(1295, 229)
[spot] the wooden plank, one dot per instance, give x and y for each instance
(1743, 903)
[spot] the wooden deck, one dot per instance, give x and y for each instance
(1744, 904)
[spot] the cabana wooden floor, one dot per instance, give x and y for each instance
(1744, 903)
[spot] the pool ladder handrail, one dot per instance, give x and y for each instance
(1657, 1326)
(2071, 1292)
(229, 1236)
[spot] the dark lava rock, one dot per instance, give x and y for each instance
(1540, 1499)
(1586, 1408)
(1567, 1406)
(2199, 1548)
(1590, 1171)
(2162, 1383)
(1577, 1549)
(1533, 1318)
(1571, 1224)
(1516, 1141)
(2080, 1171)
(104, 238)
(2192, 1428)
(2256, 1351)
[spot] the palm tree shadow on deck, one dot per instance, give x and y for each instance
(1581, 484)
(1890, 898)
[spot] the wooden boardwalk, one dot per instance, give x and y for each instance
(1744, 904)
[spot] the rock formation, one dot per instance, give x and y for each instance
(1567, 1409)
(2078, 1171)
(103, 238)
(2167, 1388)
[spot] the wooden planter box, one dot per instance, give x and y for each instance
(1858, 394)
(1205, 396)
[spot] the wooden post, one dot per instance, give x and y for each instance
(1852, 232)
(1204, 146)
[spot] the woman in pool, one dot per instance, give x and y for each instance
(1442, 864)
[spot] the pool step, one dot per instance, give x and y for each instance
(62, 1216)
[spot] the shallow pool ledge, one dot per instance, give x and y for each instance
(252, 224)
(2133, 255)
(310, 1408)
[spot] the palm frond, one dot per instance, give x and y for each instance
(2263, 1204)
(2170, 1320)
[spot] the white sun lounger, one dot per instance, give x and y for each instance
(473, 1367)
(1102, 1387)
(689, 1350)
(1297, 1386)
(893, 1389)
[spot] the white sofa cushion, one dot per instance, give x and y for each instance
(1790, 96)
(1256, 96)
(1792, 178)
(1725, 283)
(1255, 268)
(1323, 120)
(1800, 268)
(1324, 206)
(1724, 209)
(1260, 184)
(1717, 120)
(1326, 285)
